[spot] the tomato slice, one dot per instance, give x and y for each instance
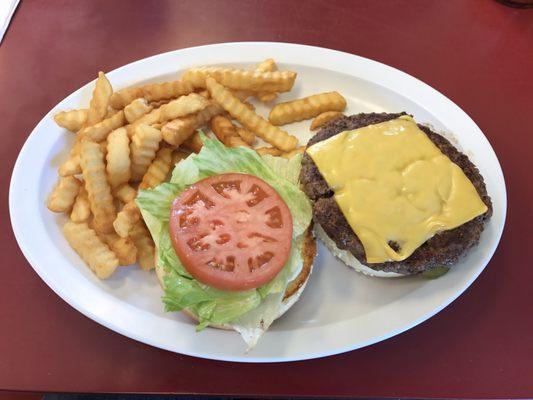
(231, 231)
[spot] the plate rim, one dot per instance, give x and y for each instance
(65, 296)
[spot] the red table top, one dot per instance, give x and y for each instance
(478, 53)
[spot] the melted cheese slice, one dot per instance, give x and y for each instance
(395, 187)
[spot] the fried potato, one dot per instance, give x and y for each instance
(145, 246)
(126, 219)
(236, 141)
(194, 142)
(72, 120)
(102, 261)
(179, 130)
(298, 150)
(226, 132)
(99, 192)
(125, 193)
(166, 90)
(246, 135)
(269, 150)
(100, 100)
(182, 106)
(223, 128)
(205, 93)
(103, 146)
(305, 108)
(267, 97)
(158, 170)
(118, 157)
(71, 166)
(267, 65)
(64, 194)
(249, 119)
(249, 105)
(99, 131)
(151, 118)
(144, 145)
(81, 210)
(242, 79)
(124, 248)
(158, 103)
(110, 112)
(136, 109)
(151, 92)
(324, 118)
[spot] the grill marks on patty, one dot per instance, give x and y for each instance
(443, 249)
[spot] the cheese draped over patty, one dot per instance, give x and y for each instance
(395, 188)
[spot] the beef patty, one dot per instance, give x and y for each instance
(443, 249)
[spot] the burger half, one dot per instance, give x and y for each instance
(233, 236)
(392, 197)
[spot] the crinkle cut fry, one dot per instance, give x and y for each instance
(249, 119)
(242, 79)
(102, 261)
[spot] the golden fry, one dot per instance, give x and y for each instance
(64, 194)
(242, 79)
(246, 135)
(223, 128)
(81, 210)
(226, 132)
(179, 130)
(269, 150)
(158, 103)
(267, 97)
(324, 118)
(110, 112)
(124, 248)
(102, 261)
(194, 142)
(151, 92)
(298, 150)
(249, 105)
(267, 65)
(158, 170)
(182, 106)
(144, 145)
(236, 141)
(71, 166)
(118, 157)
(100, 100)
(136, 109)
(72, 120)
(123, 97)
(145, 246)
(99, 193)
(126, 219)
(249, 119)
(305, 108)
(151, 118)
(99, 131)
(205, 93)
(125, 193)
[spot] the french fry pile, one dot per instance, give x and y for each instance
(130, 139)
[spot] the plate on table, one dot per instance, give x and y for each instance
(340, 310)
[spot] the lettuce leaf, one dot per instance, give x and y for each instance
(249, 312)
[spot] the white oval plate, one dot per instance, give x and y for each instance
(340, 310)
